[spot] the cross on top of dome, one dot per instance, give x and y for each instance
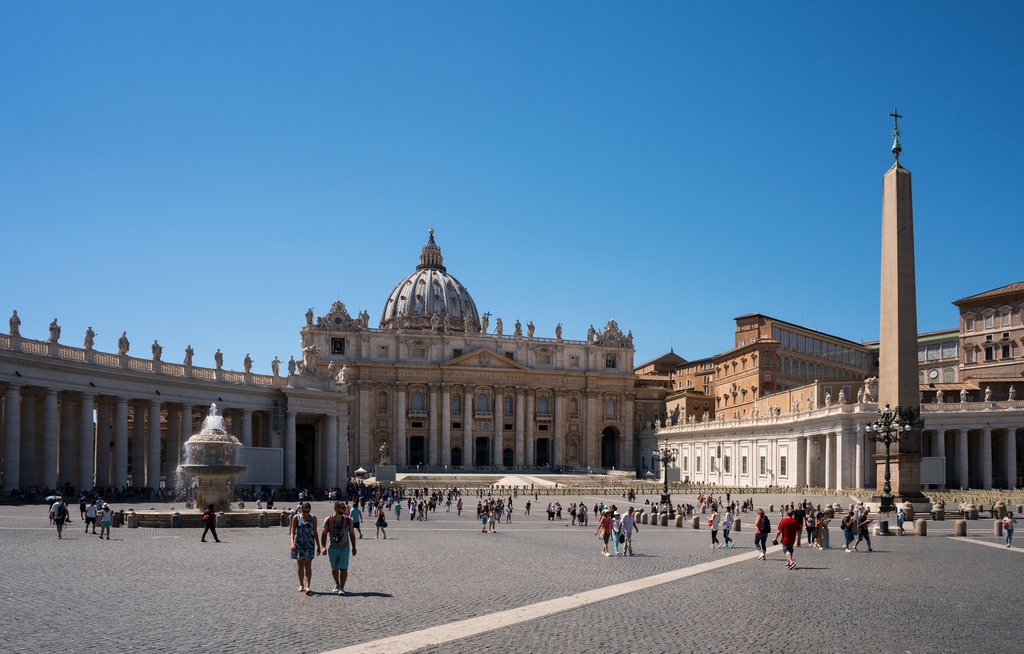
(431, 257)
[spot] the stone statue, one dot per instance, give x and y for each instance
(842, 397)
(364, 317)
(291, 365)
(189, 353)
(385, 457)
(157, 350)
(988, 391)
(939, 396)
(218, 359)
(15, 324)
(90, 338)
(828, 400)
(54, 332)
(963, 395)
(310, 355)
(343, 375)
(275, 366)
(860, 395)
(309, 317)
(332, 370)
(447, 323)
(247, 363)
(629, 338)
(529, 329)
(122, 344)
(590, 333)
(434, 320)
(1013, 393)
(518, 329)
(498, 329)
(484, 322)
(558, 331)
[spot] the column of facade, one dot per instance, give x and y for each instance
(86, 443)
(446, 424)
(48, 476)
(289, 450)
(153, 438)
(119, 473)
(246, 428)
(558, 447)
(12, 438)
(530, 444)
(986, 458)
(940, 450)
(1011, 457)
(628, 461)
(172, 451)
(859, 471)
(499, 424)
(400, 389)
(29, 433)
(331, 452)
(518, 450)
(138, 445)
(961, 446)
(363, 437)
(103, 443)
(433, 447)
(66, 448)
(185, 431)
(343, 446)
(808, 461)
(590, 440)
(467, 426)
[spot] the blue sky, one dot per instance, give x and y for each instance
(200, 173)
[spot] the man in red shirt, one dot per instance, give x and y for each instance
(788, 530)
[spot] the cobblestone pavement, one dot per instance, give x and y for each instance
(161, 590)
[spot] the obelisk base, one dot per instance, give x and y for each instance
(904, 478)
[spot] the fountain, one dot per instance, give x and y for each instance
(210, 458)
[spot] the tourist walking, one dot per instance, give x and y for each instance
(1008, 523)
(820, 527)
(713, 522)
(628, 526)
(900, 517)
(788, 532)
(863, 533)
(59, 515)
(727, 527)
(809, 525)
(209, 524)
(381, 524)
(339, 531)
(90, 516)
(106, 517)
(356, 515)
(604, 530)
(616, 530)
(762, 527)
(303, 539)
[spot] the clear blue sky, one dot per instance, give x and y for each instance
(203, 172)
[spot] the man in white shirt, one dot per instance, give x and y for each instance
(628, 525)
(616, 530)
(59, 514)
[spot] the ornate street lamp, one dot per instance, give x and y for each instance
(890, 427)
(666, 456)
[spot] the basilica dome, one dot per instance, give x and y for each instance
(430, 298)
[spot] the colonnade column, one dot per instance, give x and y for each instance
(185, 430)
(829, 476)
(66, 449)
(12, 438)
(961, 446)
(289, 450)
(331, 452)
(859, 479)
(530, 459)
(153, 456)
(467, 426)
(363, 437)
(28, 438)
(48, 478)
(517, 456)
(103, 443)
(433, 453)
(246, 428)
(808, 462)
(986, 458)
(86, 444)
(119, 476)
(401, 446)
(138, 445)
(446, 424)
(172, 452)
(499, 424)
(1011, 457)
(841, 480)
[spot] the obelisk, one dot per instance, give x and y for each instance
(897, 349)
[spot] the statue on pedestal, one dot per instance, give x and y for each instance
(15, 324)
(558, 331)
(484, 322)
(1013, 393)
(54, 332)
(518, 329)
(218, 359)
(90, 338)
(291, 365)
(828, 400)
(309, 317)
(157, 350)
(842, 397)
(189, 353)
(963, 395)
(122, 344)
(498, 329)
(275, 366)
(860, 395)
(939, 396)
(385, 457)
(247, 363)
(529, 329)
(988, 392)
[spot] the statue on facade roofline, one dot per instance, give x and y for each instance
(122, 344)
(518, 329)
(558, 331)
(189, 353)
(291, 365)
(591, 332)
(247, 363)
(484, 322)
(498, 329)
(332, 370)
(90, 338)
(529, 329)
(157, 350)
(15, 324)
(309, 317)
(54, 332)
(842, 397)
(275, 366)
(1013, 393)
(988, 392)
(364, 317)
(343, 375)
(218, 359)
(629, 338)
(310, 355)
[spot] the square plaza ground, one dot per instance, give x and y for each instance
(161, 590)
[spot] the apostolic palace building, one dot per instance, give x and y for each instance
(434, 382)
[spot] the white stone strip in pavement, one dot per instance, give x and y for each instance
(471, 627)
(1001, 546)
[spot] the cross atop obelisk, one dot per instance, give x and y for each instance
(896, 147)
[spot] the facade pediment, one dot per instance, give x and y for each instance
(483, 358)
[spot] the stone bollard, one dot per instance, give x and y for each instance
(286, 519)
(133, 520)
(999, 510)
(704, 509)
(960, 528)
(997, 528)
(771, 508)
(222, 520)
(695, 522)
(1020, 509)
(908, 511)
(825, 543)
(921, 527)
(176, 520)
(853, 507)
(817, 507)
(643, 518)
(664, 519)
(679, 520)
(938, 514)
(737, 525)
(264, 520)
(972, 514)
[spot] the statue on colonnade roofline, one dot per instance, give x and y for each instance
(90, 338)
(828, 399)
(590, 333)
(275, 366)
(1013, 393)
(963, 395)
(529, 329)
(189, 353)
(558, 331)
(988, 393)
(498, 329)
(15, 324)
(157, 350)
(247, 363)
(291, 365)
(860, 395)
(122, 344)
(54, 332)
(218, 359)
(842, 397)
(939, 396)
(309, 317)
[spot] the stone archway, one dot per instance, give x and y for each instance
(610, 448)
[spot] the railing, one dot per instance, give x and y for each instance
(35, 347)
(500, 337)
(71, 353)
(204, 373)
(969, 406)
(5, 341)
(143, 365)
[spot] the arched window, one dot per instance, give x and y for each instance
(803, 369)
(417, 401)
(574, 407)
(542, 404)
(382, 401)
(609, 409)
(456, 404)
(508, 406)
(481, 403)
(948, 375)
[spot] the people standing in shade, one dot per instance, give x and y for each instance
(106, 518)
(604, 530)
(59, 515)
(342, 536)
(727, 523)
(381, 523)
(762, 527)
(628, 526)
(713, 522)
(209, 524)
(1008, 524)
(356, 515)
(863, 533)
(303, 546)
(788, 532)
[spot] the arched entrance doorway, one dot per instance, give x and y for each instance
(610, 448)
(456, 456)
(482, 453)
(542, 452)
(506, 457)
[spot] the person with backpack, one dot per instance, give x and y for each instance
(863, 533)
(209, 524)
(59, 515)
(339, 530)
(762, 527)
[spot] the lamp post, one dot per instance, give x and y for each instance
(666, 456)
(890, 427)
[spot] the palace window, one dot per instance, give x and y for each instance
(1006, 351)
(416, 404)
(969, 324)
(949, 350)
(988, 354)
(1005, 319)
(969, 355)
(989, 322)
(948, 375)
